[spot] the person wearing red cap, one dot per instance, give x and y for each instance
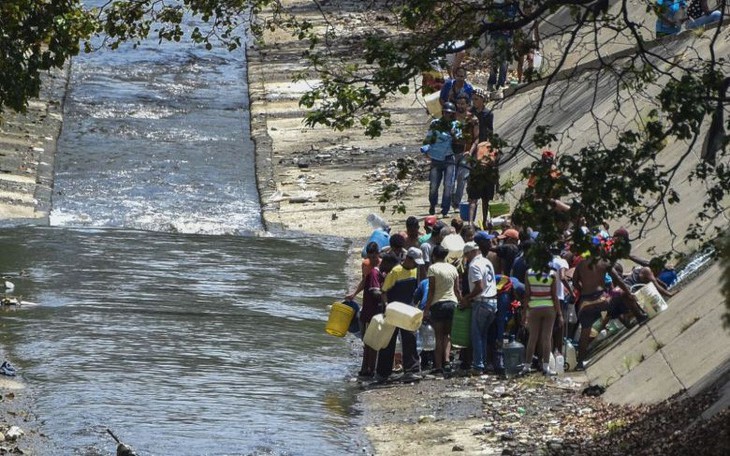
(507, 251)
(428, 224)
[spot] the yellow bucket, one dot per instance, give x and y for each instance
(339, 319)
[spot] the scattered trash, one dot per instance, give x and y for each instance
(122, 449)
(7, 369)
(593, 391)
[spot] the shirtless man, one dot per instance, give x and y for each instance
(589, 279)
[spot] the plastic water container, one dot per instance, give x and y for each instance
(339, 320)
(649, 299)
(464, 210)
(551, 363)
(497, 208)
(433, 104)
(514, 357)
(559, 364)
(379, 333)
(380, 237)
(402, 315)
(571, 359)
(355, 322)
(428, 337)
(461, 328)
(454, 244)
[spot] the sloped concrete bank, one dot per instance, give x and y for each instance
(27, 151)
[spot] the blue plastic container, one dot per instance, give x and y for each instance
(379, 236)
(355, 323)
(464, 211)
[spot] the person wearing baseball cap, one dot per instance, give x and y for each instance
(400, 285)
(482, 298)
(511, 234)
(428, 224)
(506, 252)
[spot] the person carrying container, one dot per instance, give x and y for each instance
(400, 285)
(438, 147)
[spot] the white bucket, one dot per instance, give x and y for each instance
(403, 316)
(379, 333)
(649, 298)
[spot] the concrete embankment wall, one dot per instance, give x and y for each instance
(686, 345)
(27, 150)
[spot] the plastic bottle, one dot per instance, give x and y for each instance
(551, 363)
(376, 221)
(514, 357)
(428, 337)
(572, 316)
(559, 364)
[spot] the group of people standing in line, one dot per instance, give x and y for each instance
(508, 296)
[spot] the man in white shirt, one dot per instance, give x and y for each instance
(482, 298)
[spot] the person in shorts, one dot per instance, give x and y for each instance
(589, 280)
(444, 291)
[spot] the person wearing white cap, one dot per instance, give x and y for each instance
(400, 285)
(482, 298)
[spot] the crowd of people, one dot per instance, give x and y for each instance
(508, 297)
(570, 298)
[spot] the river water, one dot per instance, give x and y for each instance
(161, 310)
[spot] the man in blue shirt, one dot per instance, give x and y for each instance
(437, 146)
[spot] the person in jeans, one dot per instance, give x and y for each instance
(699, 14)
(444, 292)
(461, 147)
(438, 147)
(482, 298)
(543, 307)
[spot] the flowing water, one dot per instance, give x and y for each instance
(158, 314)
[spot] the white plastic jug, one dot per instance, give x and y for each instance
(551, 363)
(379, 333)
(433, 104)
(403, 316)
(559, 364)
(571, 360)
